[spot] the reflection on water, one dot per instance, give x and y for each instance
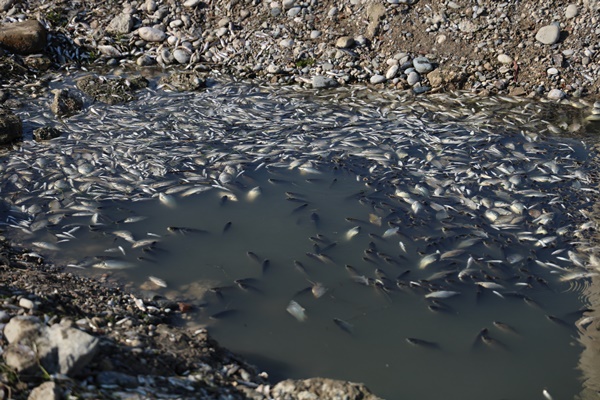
(426, 260)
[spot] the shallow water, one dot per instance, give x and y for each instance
(324, 166)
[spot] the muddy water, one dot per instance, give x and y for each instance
(362, 229)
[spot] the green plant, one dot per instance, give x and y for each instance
(305, 62)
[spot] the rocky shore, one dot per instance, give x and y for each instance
(133, 347)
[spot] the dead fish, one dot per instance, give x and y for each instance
(125, 235)
(343, 325)
(547, 395)
(428, 259)
(318, 290)
(227, 226)
(143, 242)
(184, 230)
(157, 281)
(490, 285)
(350, 233)
(224, 314)
(390, 232)
(265, 265)
(422, 343)
(254, 257)
(253, 193)
(167, 200)
(296, 310)
(114, 264)
(300, 267)
(505, 327)
(46, 246)
(441, 294)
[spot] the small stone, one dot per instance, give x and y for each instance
(392, 71)
(377, 78)
(288, 4)
(344, 42)
(150, 6)
(275, 11)
(191, 3)
(46, 391)
(556, 94)
(166, 56)
(221, 31)
(467, 26)
(422, 65)
(151, 34)
(286, 43)
(26, 303)
(273, 69)
(121, 24)
(333, 11)
(182, 56)
(27, 37)
(322, 82)
(421, 89)
(571, 11)
(505, 59)
(145, 60)
(4, 317)
(223, 22)
(315, 34)
(435, 78)
(413, 78)
(552, 71)
(548, 34)
(109, 51)
(294, 11)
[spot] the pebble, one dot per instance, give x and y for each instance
(548, 34)
(191, 3)
(344, 42)
(556, 94)
(182, 56)
(413, 78)
(288, 4)
(505, 59)
(377, 78)
(151, 34)
(321, 82)
(294, 11)
(571, 11)
(392, 71)
(422, 65)
(26, 303)
(552, 71)
(286, 43)
(314, 34)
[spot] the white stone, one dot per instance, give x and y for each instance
(377, 78)
(556, 94)
(221, 31)
(287, 4)
(151, 34)
(392, 71)
(191, 3)
(26, 303)
(315, 34)
(552, 71)
(505, 59)
(286, 42)
(548, 34)
(273, 69)
(571, 11)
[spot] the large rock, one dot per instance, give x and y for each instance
(111, 90)
(321, 388)
(121, 24)
(65, 103)
(11, 128)
(58, 348)
(25, 37)
(548, 34)
(184, 81)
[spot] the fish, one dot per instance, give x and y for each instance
(224, 314)
(350, 233)
(114, 264)
(428, 259)
(167, 199)
(46, 246)
(422, 343)
(296, 311)
(343, 325)
(441, 294)
(253, 193)
(505, 327)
